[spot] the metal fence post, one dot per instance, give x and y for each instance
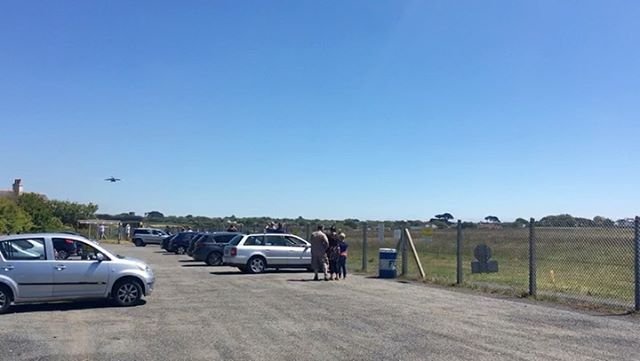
(636, 246)
(459, 253)
(532, 258)
(364, 247)
(405, 262)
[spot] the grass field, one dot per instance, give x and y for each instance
(589, 265)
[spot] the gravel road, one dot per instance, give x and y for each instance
(206, 313)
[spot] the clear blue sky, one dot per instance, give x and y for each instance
(331, 109)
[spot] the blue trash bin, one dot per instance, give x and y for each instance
(387, 263)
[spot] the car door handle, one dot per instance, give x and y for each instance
(8, 268)
(60, 267)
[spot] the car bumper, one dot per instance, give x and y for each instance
(149, 288)
(234, 261)
(149, 284)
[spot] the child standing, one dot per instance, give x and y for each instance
(342, 260)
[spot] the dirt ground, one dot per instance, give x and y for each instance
(207, 313)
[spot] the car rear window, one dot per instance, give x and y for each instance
(200, 237)
(235, 240)
(185, 236)
(224, 238)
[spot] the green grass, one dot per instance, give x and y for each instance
(590, 264)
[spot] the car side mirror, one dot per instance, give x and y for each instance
(100, 257)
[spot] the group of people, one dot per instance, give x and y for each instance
(329, 254)
(273, 227)
(232, 228)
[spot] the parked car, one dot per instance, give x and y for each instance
(30, 272)
(192, 243)
(180, 245)
(143, 236)
(254, 253)
(180, 238)
(210, 247)
(167, 240)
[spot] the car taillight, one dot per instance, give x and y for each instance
(234, 251)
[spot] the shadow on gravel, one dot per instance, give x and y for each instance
(305, 280)
(617, 314)
(66, 306)
(195, 265)
(188, 261)
(229, 273)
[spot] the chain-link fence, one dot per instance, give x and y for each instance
(581, 265)
(586, 265)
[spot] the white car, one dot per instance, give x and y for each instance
(255, 253)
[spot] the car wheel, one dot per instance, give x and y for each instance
(62, 254)
(5, 299)
(127, 293)
(138, 242)
(180, 250)
(256, 264)
(214, 259)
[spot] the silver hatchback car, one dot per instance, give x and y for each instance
(254, 253)
(31, 270)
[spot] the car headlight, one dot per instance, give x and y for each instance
(144, 267)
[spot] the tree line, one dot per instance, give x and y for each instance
(563, 220)
(32, 212)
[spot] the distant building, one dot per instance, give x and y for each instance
(16, 190)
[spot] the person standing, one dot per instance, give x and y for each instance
(319, 247)
(102, 230)
(127, 231)
(342, 260)
(333, 253)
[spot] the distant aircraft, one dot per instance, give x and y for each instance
(112, 179)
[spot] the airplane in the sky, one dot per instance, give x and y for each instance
(112, 179)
